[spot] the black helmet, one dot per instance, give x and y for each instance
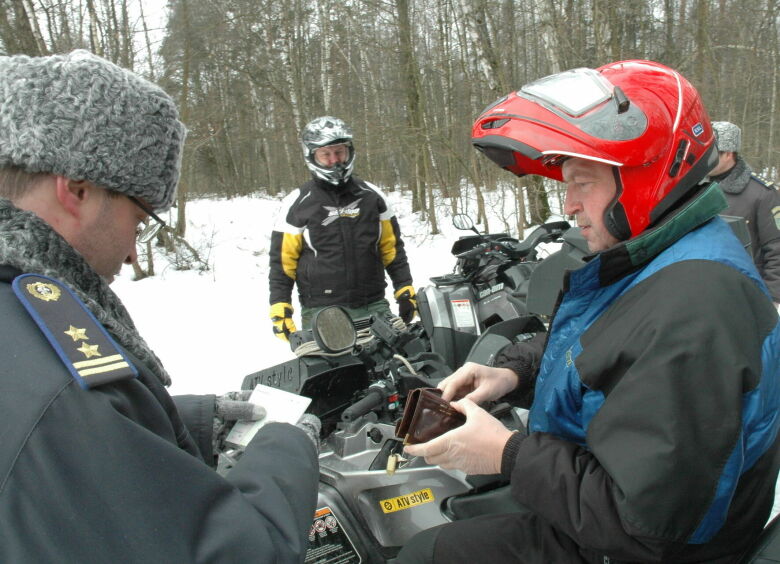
(321, 132)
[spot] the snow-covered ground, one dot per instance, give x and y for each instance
(212, 328)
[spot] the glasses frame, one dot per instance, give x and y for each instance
(150, 229)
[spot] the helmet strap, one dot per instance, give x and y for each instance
(615, 219)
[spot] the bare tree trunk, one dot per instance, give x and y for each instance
(95, 42)
(181, 198)
(147, 42)
(36, 30)
(411, 86)
(16, 31)
(474, 14)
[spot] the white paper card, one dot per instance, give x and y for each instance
(281, 407)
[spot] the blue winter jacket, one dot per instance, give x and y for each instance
(653, 432)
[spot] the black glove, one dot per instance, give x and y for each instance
(407, 303)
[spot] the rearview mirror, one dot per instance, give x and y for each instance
(333, 330)
(463, 222)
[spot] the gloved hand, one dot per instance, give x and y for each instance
(229, 408)
(407, 303)
(476, 447)
(235, 406)
(478, 382)
(281, 317)
(311, 425)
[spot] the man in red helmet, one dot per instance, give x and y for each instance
(653, 430)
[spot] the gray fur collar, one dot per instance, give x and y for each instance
(30, 245)
(735, 180)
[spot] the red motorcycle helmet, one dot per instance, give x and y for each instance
(641, 117)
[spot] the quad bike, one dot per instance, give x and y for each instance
(371, 500)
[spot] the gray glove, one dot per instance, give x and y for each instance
(229, 408)
(234, 406)
(311, 425)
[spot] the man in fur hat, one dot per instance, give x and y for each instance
(752, 197)
(96, 463)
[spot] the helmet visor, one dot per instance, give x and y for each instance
(590, 102)
(573, 92)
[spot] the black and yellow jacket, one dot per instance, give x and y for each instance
(335, 242)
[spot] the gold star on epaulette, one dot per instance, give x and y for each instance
(76, 333)
(89, 350)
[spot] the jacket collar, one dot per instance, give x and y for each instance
(351, 186)
(628, 256)
(735, 180)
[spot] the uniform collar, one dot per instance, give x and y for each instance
(735, 179)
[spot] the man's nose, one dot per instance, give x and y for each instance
(570, 204)
(132, 257)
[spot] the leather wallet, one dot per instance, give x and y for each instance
(426, 416)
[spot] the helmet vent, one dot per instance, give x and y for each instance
(622, 101)
(679, 156)
(494, 124)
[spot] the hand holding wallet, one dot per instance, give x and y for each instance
(426, 416)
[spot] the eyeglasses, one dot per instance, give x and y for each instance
(148, 229)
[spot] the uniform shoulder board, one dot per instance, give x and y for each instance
(764, 181)
(81, 342)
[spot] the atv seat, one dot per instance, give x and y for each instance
(466, 506)
(766, 550)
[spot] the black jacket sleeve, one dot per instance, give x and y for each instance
(398, 267)
(197, 412)
(112, 475)
(523, 359)
(768, 256)
(286, 246)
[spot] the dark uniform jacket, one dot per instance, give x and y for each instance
(757, 200)
(336, 242)
(653, 434)
(111, 474)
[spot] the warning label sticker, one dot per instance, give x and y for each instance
(461, 310)
(328, 541)
(406, 501)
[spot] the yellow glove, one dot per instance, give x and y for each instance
(407, 303)
(281, 317)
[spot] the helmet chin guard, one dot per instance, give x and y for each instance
(641, 117)
(321, 132)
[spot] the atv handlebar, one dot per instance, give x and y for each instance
(374, 398)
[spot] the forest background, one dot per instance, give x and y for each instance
(410, 76)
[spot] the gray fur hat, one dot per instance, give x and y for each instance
(83, 117)
(728, 135)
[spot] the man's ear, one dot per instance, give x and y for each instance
(72, 194)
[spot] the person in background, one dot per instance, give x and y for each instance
(653, 431)
(752, 197)
(96, 462)
(335, 237)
